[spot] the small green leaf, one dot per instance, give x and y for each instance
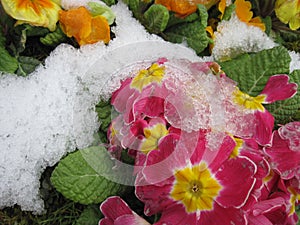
(54, 38)
(109, 2)
(80, 176)
(156, 18)
(268, 23)
(90, 216)
(252, 71)
(284, 111)
(26, 65)
(228, 12)
(203, 14)
(8, 63)
(103, 10)
(193, 33)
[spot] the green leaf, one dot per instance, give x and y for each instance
(268, 23)
(54, 38)
(284, 111)
(193, 33)
(252, 71)
(228, 12)
(156, 18)
(103, 10)
(79, 176)
(26, 65)
(8, 63)
(174, 20)
(90, 216)
(203, 14)
(109, 2)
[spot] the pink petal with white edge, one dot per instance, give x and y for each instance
(258, 220)
(291, 133)
(120, 96)
(114, 207)
(284, 160)
(220, 215)
(279, 88)
(215, 157)
(237, 179)
(263, 127)
(176, 215)
(133, 219)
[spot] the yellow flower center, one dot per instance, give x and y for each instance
(145, 77)
(235, 152)
(248, 102)
(195, 188)
(294, 199)
(152, 136)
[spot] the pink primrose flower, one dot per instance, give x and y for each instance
(196, 191)
(277, 88)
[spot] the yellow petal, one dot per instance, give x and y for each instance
(222, 7)
(37, 13)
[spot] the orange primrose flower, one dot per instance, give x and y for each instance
(86, 29)
(183, 8)
(37, 13)
(244, 13)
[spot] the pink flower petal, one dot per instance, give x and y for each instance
(216, 157)
(176, 215)
(222, 215)
(278, 88)
(263, 127)
(258, 220)
(284, 160)
(132, 219)
(120, 96)
(106, 221)
(237, 178)
(155, 197)
(114, 207)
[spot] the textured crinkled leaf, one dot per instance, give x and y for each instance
(8, 63)
(252, 71)
(103, 10)
(193, 33)
(90, 216)
(27, 65)
(174, 20)
(156, 18)
(203, 14)
(284, 111)
(79, 176)
(54, 38)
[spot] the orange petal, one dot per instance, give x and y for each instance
(100, 31)
(256, 21)
(76, 23)
(243, 10)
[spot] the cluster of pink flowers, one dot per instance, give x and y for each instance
(205, 152)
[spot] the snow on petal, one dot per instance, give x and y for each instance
(284, 159)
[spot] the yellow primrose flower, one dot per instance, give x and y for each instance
(42, 13)
(288, 12)
(85, 28)
(244, 13)
(222, 7)
(145, 77)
